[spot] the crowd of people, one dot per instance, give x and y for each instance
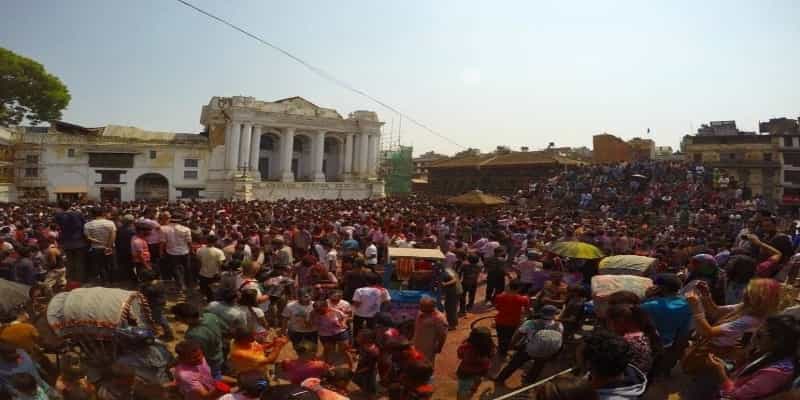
(287, 298)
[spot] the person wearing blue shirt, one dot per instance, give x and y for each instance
(350, 245)
(672, 317)
(670, 312)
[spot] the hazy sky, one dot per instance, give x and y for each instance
(483, 73)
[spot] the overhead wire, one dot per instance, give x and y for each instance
(321, 72)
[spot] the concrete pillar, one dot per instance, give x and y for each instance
(372, 162)
(356, 152)
(340, 168)
(348, 153)
(318, 154)
(255, 148)
(233, 146)
(244, 146)
(363, 154)
(287, 148)
(228, 147)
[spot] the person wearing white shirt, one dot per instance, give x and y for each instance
(371, 253)
(211, 259)
(102, 234)
(333, 259)
(367, 302)
(176, 242)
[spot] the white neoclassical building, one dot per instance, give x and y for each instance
(290, 148)
(249, 149)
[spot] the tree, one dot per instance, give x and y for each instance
(28, 91)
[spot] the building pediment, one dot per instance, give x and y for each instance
(300, 106)
(292, 111)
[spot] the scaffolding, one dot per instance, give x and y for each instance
(396, 165)
(396, 170)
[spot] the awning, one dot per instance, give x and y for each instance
(70, 189)
(431, 254)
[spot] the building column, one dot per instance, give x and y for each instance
(287, 148)
(372, 167)
(340, 157)
(233, 146)
(228, 135)
(318, 155)
(244, 146)
(356, 151)
(363, 154)
(348, 155)
(255, 148)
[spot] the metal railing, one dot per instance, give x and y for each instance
(525, 389)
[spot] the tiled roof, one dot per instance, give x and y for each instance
(511, 158)
(498, 160)
(460, 162)
(523, 158)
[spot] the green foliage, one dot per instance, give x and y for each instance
(29, 92)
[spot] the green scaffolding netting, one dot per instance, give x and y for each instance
(397, 170)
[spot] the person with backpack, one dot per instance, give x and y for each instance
(538, 340)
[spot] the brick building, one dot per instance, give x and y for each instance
(607, 148)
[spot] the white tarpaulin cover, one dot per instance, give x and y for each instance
(96, 310)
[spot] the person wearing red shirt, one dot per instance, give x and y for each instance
(510, 306)
(140, 252)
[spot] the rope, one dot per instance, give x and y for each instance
(532, 386)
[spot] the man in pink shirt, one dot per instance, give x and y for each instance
(192, 374)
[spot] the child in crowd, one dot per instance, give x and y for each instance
(156, 295)
(365, 375)
(476, 357)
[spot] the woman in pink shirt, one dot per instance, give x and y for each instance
(332, 329)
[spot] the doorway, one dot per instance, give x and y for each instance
(110, 194)
(263, 168)
(152, 187)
